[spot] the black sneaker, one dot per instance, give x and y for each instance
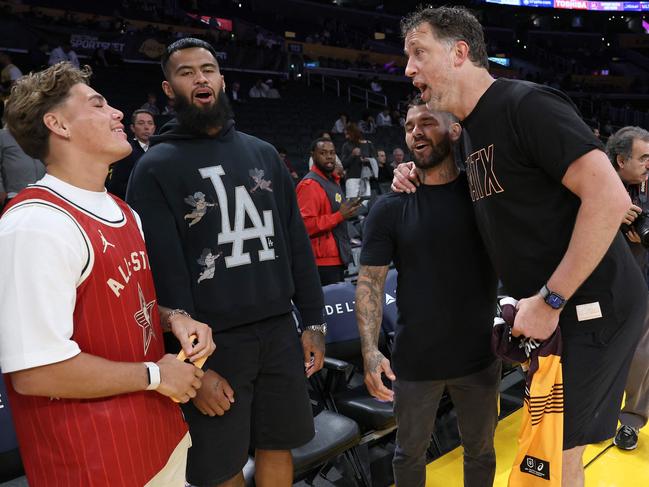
(626, 438)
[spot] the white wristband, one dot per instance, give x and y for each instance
(153, 372)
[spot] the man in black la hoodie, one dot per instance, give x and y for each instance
(228, 246)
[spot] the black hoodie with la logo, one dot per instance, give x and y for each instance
(223, 229)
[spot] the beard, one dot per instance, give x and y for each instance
(323, 167)
(438, 154)
(197, 120)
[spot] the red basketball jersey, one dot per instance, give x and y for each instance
(115, 441)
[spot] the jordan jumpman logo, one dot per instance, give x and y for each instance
(105, 242)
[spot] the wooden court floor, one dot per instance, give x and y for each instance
(607, 466)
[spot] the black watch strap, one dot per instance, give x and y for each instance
(552, 299)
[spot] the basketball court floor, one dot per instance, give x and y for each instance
(607, 466)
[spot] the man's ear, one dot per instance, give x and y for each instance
(57, 124)
(620, 161)
(460, 53)
(168, 90)
(455, 131)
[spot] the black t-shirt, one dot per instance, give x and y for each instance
(517, 145)
(446, 287)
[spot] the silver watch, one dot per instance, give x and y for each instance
(318, 328)
(175, 312)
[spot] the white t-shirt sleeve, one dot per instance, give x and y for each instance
(42, 257)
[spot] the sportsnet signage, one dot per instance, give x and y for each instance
(81, 42)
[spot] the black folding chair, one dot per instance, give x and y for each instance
(11, 465)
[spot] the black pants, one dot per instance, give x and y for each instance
(331, 274)
(475, 398)
(264, 364)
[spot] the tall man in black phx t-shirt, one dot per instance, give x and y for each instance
(548, 206)
(446, 297)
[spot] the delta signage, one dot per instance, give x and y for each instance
(348, 307)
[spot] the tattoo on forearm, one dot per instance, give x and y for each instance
(369, 306)
(373, 361)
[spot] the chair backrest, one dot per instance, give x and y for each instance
(10, 462)
(343, 340)
(390, 311)
(8, 440)
(340, 313)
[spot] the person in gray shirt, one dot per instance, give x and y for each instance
(17, 169)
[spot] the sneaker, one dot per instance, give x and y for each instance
(626, 438)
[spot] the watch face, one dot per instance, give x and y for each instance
(555, 301)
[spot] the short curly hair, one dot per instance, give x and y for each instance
(621, 143)
(451, 24)
(34, 95)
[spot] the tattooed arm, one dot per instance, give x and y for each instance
(369, 313)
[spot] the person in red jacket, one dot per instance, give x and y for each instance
(325, 211)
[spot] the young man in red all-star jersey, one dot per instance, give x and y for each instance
(80, 329)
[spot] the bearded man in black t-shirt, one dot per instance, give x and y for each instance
(446, 297)
(548, 206)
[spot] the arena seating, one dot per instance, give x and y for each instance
(375, 417)
(10, 463)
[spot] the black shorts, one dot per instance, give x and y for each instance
(595, 368)
(264, 364)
